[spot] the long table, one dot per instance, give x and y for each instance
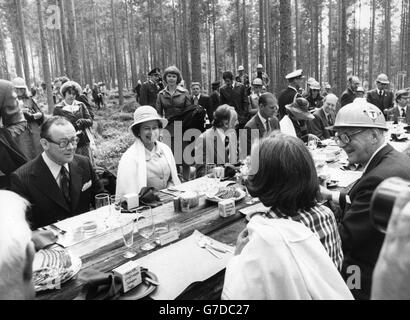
(105, 251)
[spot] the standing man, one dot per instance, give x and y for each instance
(288, 95)
(200, 99)
(150, 89)
(58, 183)
(243, 78)
(360, 131)
(234, 94)
(350, 93)
(257, 85)
(265, 120)
(401, 109)
(324, 118)
(381, 97)
(262, 75)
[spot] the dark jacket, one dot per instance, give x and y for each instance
(286, 97)
(148, 94)
(384, 102)
(395, 112)
(237, 98)
(215, 98)
(319, 124)
(347, 97)
(35, 182)
(256, 124)
(360, 240)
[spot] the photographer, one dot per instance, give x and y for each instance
(360, 131)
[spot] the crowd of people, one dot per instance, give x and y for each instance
(297, 250)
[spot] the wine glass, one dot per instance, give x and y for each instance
(146, 227)
(127, 230)
(218, 172)
(102, 203)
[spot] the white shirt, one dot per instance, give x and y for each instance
(221, 133)
(401, 110)
(54, 168)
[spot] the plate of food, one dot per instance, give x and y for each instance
(53, 267)
(226, 193)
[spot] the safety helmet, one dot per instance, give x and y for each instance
(241, 68)
(19, 83)
(382, 78)
(360, 114)
(315, 85)
(257, 82)
(259, 66)
(310, 81)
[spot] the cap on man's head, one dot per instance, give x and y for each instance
(154, 71)
(360, 89)
(257, 82)
(315, 85)
(241, 68)
(310, 81)
(216, 84)
(195, 84)
(402, 94)
(328, 86)
(382, 78)
(260, 66)
(295, 75)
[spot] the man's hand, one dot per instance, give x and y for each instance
(242, 241)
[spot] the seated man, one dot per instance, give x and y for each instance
(265, 121)
(360, 131)
(324, 117)
(400, 110)
(16, 249)
(58, 183)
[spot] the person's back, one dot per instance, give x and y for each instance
(16, 249)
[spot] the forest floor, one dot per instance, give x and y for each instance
(112, 137)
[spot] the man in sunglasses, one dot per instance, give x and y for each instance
(360, 131)
(59, 184)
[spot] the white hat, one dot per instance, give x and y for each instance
(315, 85)
(311, 80)
(360, 89)
(241, 68)
(294, 74)
(382, 78)
(257, 82)
(145, 114)
(259, 66)
(19, 83)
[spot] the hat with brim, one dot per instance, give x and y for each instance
(145, 114)
(315, 86)
(154, 71)
(295, 74)
(70, 84)
(257, 82)
(300, 108)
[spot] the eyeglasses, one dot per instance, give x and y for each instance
(345, 138)
(64, 143)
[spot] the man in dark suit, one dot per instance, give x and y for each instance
(264, 122)
(150, 89)
(234, 94)
(381, 97)
(401, 109)
(324, 117)
(349, 94)
(58, 183)
(288, 95)
(364, 143)
(203, 100)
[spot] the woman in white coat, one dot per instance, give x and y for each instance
(148, 162)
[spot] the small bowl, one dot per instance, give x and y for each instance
(90, 228)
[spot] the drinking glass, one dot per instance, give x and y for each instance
(146, 227)
(102, 200)
(218, 172)
(127, 230)
(161, 227)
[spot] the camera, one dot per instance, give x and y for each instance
(390, 196)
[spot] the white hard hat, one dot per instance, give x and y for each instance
(257, 82)
(260, 66)
(241, 68)
(19, 83)
(382, 78)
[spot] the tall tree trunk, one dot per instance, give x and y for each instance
(163, 32)
(408, 44)
(184, 43)
(359, 46)
(124, 55)
(117, 57)
(209, 51)
(174, 21)
(315, 41)
(84, 54)
(245, 37)
(215, 46)
(268, 42)
(98, 74)
(261, 58)
(239, 34)
(131, 48)
(196, 65)
(330, 46)
(73, 46)
(60, 51)
(17, 57)
(388, 35)
(342, 47)
(4, 69)
(285, 41)
(67, 55)
(371, 45)
(297, 26)
(22, 28)
(45, 62)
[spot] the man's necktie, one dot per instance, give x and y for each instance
(403, 112)
(196, 100)
(227, 147)
(65, 184)
(329, 120)
(268, 128)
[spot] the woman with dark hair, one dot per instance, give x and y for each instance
(217, 145)
(77, 113)
(172, 103)
(34, 117)
(148, 162)
(296, 244)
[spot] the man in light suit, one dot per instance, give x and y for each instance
(324, 117)
(381, 97)
(265, 121)
(58, 183)
(234, 94)
(401, 109)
